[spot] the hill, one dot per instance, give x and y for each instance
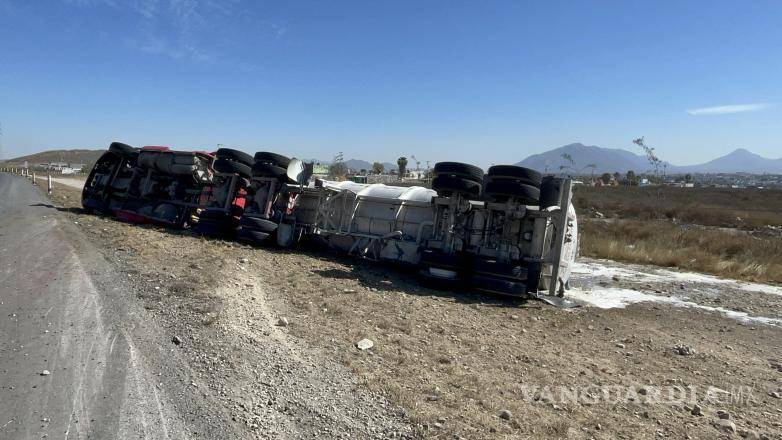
(70, 156)
(738, 161)
(358, 164)
(605, 160)
(610, 160)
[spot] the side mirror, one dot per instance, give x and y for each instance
(299, 171)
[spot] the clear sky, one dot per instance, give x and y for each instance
(482, 82)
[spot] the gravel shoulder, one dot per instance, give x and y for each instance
(443, 364)
(77, 358)
(231, 353)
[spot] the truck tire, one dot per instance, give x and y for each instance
(503, 189)
(229, 166)
(235, 155)
(212, 214)
(122, 149)
(549, 192)
(265, 169)
(272, 158)
(252, 236)
(446, 185)
(458, 169)
(526, 176)
(259, 224)
(211, 228)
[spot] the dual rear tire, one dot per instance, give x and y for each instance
(510, 182)
(271, 165)
(256, 229)
(451, 178)
(500, 184)
(231, 161)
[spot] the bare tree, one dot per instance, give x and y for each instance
(567, 163)
(654, 161)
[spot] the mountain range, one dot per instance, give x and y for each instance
(358, 165)
(588, 159)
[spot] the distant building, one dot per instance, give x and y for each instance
(64, 167)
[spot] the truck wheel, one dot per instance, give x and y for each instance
(213, 228)
(447, 185)
(523, 175)
(235, 155)
(549, 192)
(122, 149)
(503, 189)
(229, 166)
(252, 236)
(259, 224)
(272, 158)
(214, 214)
(265, 169)
(458, 169)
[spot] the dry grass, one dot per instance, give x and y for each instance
(721, 231)
(726, 207)
(734, 254)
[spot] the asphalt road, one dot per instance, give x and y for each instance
(73, 362)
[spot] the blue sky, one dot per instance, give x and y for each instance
(482, 82)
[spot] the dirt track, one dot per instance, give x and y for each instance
(451, 362)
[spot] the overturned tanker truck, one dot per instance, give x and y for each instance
(510, 231)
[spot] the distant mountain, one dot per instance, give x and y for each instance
(610, 160)
(606, 160)
(739, 161)
(358, 165)
(70, 156)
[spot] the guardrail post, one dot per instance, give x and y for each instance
(33, 178)
(49, 183)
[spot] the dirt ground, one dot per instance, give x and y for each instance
(451, 364)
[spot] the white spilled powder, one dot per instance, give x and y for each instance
(619, 298)
(604, 269)
(611, 298)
